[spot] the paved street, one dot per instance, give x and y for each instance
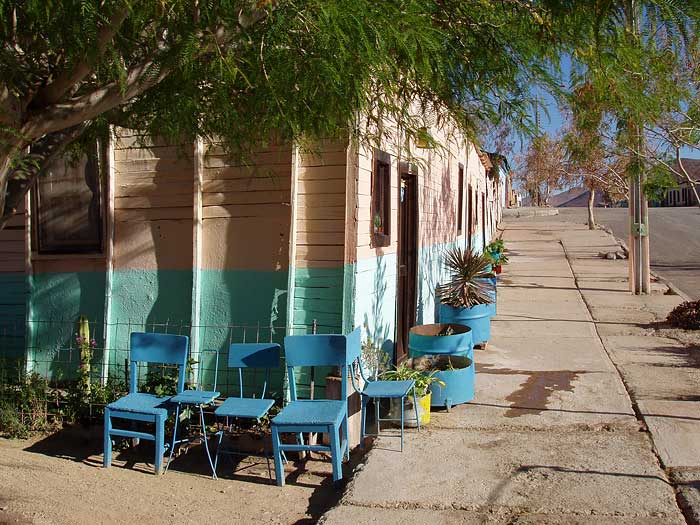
(583, 413)
(675, 240)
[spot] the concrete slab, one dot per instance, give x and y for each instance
(535, 326)
(415, 516)
(675, 428)
(534, 472)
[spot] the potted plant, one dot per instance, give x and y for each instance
(495, 250)
(423, 380)
(467, 297)
(378, 229)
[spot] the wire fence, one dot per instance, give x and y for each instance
(40, 363)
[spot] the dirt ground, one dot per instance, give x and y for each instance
(59, 479)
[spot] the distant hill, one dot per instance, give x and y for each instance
(575, 198)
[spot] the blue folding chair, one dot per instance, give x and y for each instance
(137, 406)
(378, 390)
(321, 416)
(242, 356)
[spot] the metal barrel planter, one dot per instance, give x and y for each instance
(478, 318)
(492, 293)
(452, 356)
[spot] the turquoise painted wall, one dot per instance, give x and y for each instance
(57, 300)
(240, 306)
(13, 301)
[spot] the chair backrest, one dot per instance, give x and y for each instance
(254, 355)
(164, 349)
(321, 350)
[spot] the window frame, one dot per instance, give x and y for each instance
(95, 247)
(381, 198)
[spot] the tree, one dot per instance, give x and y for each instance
(543, 169)
(241, 70)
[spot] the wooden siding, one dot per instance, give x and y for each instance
(246, 209)
(153, 204)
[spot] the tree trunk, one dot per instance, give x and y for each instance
(694, 187)
(591, 203)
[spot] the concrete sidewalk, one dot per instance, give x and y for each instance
(553, 435)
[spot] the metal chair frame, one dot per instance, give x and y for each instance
(249, 356)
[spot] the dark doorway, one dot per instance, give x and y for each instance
(407, 259)
(470, 216)
(483, 220)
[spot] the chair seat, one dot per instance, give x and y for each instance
(388, 388)
(142, 403)
(311, 412)
(244, 407)
(195, 397)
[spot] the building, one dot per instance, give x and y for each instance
(144, 235)
(683, 194)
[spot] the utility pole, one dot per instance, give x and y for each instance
(639, 272)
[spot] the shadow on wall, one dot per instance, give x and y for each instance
(438, 231)
(378, 328)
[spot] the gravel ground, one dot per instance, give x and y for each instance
(59, 479)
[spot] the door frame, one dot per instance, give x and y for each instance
(406, 259)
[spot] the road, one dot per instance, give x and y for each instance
(675, 240)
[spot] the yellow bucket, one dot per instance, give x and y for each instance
(424, 409)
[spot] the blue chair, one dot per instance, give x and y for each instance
(241, 356)
(378, 390)
(316, 415)
(149, 408)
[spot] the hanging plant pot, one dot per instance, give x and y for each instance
(478, 318)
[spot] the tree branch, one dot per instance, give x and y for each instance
(56, 90)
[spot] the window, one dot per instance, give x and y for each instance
(460, 200)
(68, 205)
(381, 199)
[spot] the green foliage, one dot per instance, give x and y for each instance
(423, 379)
(657, 183)
(467, 285)
(686, 315)
(161, 380)
(24, 407)
(495, 251)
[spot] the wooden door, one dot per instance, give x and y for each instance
(470, 215)
(407, 260)
(483, 220)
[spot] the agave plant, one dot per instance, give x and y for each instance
(468, 284)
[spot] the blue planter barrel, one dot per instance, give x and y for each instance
(459, 384)
(458, 348)
(424, 340)
(493, 293)
(478, 318)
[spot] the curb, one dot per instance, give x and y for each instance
(677, 291)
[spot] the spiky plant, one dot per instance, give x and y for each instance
(468, 285)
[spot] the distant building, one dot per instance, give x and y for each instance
(683, 195)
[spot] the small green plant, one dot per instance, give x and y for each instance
(423, 379)
(377, 223)
(468, 283)
(495, 251)
(686, 315)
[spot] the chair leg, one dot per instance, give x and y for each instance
(345, 440)
(336, 453)
(206, 442)
(160, 444)
(377, 401)
(363, 421)
(277, 453)
(220, 435)
(107, 458)
(415, 407)
(172, 445)
(403, 409)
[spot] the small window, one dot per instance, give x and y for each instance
(381, 199)
(68, 205)
(460, 200)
